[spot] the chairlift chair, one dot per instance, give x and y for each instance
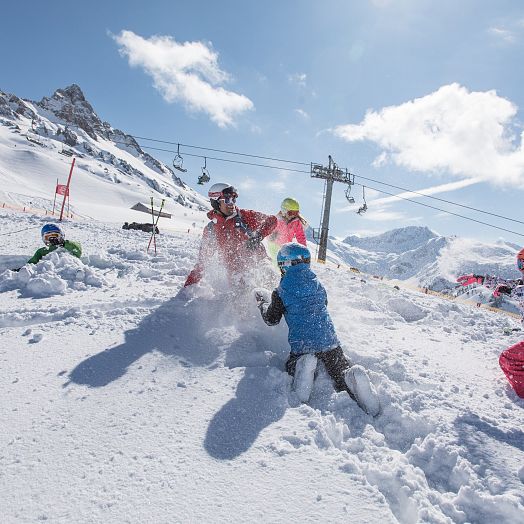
(349, 197)
(178, 161)
(364, 207)
(204, 177)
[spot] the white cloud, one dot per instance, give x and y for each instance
(468, 134)
(277, 186)
(374, 214)
(381, 215)
(443, 188)
(302, 113)
(187, 73)
(503, 34)
(298, 79)
(247, 184)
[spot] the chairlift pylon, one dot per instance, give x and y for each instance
(364, 207)
(204, 177)
(178, 161)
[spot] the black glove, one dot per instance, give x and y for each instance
(262, 297)
(254, 240)
(16, 269)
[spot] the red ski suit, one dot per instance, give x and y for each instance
(228, 236)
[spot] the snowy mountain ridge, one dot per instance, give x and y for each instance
(67, 121)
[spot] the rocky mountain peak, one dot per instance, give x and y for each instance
(70, 105)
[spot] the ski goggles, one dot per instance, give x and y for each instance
(53, 238)
(520, 263)
(229, 199)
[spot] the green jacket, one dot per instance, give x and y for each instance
(73, 247)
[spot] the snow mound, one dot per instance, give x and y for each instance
(409, 311)
(57, 273)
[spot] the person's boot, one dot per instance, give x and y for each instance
(304, 376)
(364, 393)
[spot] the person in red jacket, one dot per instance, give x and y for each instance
(511, 360)
(234, 235)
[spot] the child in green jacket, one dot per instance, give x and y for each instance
(54, 238)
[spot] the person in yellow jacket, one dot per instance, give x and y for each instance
(54, 238)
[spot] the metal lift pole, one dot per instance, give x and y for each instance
(324, 231)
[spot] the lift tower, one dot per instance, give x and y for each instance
(330, 174)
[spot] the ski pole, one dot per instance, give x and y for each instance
(153, 235)
(153, 225)
(156, 222)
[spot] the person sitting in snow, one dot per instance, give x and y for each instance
(54, 238)
(302, 300)
(234, 234)
(511, 360)
(513, 288)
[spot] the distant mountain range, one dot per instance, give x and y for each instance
(424, 258)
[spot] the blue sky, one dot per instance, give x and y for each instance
(415, 93)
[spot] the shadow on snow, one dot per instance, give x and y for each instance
(173, 329)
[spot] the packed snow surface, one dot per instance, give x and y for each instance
(125, 399)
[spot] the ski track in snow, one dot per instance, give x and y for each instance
(124, 400)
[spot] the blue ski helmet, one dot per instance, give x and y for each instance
(52, 234)
(291, 254)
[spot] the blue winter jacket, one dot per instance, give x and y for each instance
(304, 301)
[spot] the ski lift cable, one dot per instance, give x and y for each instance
(439, 199)
(444, 211)
(228, 160)
(222, 151)
(308, 172)
(357, 176)
(305, 164)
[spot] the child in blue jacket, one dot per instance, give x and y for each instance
(302, 300)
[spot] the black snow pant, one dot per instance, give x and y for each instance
(335, 362)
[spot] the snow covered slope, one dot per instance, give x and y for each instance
(112, 172)
(124, 400)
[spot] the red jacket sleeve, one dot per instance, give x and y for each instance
(256, 221)
(298, 231)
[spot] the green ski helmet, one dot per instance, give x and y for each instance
(289, 204)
